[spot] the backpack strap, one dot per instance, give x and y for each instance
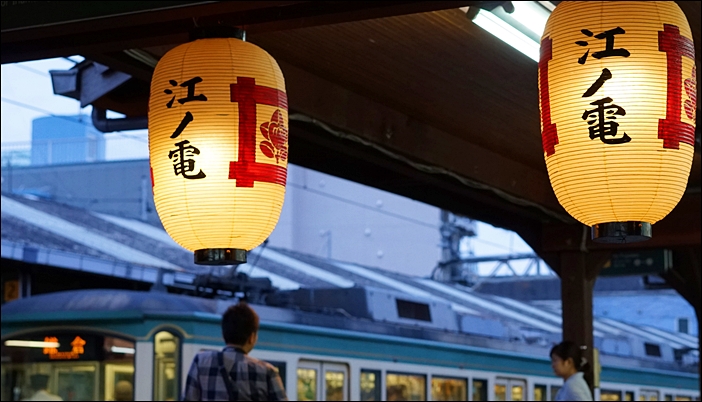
(225, 376)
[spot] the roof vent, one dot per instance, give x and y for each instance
(652, 349)
(413, 310)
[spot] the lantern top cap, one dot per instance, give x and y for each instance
(217, 31)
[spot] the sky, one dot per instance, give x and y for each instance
(27, 94)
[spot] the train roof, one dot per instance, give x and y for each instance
(44, 232)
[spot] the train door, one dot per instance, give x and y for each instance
(322, 381)
(78, 382)
(510, 389)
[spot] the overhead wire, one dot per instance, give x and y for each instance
(301, 117)
(429, 168)
(67, 118)
(375, 209)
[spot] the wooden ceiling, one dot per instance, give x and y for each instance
(436, 108)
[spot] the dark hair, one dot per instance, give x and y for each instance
(238, 323)
(39, 381)
(568, 350)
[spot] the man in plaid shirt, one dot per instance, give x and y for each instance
(231, 375)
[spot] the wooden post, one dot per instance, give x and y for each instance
(699, 331)
(578, 272)
(685, 278)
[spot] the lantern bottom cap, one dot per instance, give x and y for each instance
(621, 232)
(220, 256)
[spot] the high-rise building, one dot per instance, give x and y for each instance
(66, 139)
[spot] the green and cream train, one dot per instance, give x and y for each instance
(88, 341)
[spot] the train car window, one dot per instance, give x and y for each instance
(628, 396)
(610, 395)
(500, 391)
(648, 395)
(370, 385)
(76, 366)
(166, 366)
(540, 392)
(449, 389)
(509, 389)
(480, 390)
(322, 381)
(405, 387)
(554, 391)
(306, 384)
(334, 381)
(668, 397)
(517, 388)
(280, 366)
(682, 398)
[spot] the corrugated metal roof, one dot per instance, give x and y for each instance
(77, 239)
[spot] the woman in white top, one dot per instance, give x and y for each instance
(568, 363)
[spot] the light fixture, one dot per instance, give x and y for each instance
(120, 349)
(218, 144)
(31, 344)
(617, 88)
(521, 28)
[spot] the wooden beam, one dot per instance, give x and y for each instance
(420, 145)
(317, 149)
(682, 227)
(112, 33)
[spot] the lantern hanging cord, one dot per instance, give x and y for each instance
(429, 168)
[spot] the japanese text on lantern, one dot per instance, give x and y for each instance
(184, 154)
(601, 119)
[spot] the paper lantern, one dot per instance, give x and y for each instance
(617, 86)
(218, 146)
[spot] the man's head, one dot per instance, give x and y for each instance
(39, 381)
(124, 391)
(240, 326)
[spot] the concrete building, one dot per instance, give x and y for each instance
(322, 215)
(66, 139)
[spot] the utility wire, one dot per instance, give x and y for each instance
(46, 112)
(32, 70)
(439, 170)
(368, 207)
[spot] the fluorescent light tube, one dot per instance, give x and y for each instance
(531, 15)
(507, 33)
(119, 349)
(32, 344)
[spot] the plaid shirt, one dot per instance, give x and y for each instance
(248, 379)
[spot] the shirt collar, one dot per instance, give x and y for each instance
(234, 348)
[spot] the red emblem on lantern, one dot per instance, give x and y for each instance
(246, 170)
